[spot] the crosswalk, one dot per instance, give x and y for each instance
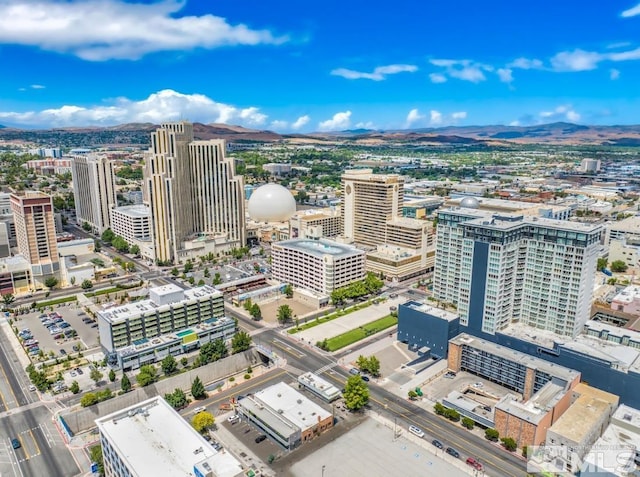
(326, 368)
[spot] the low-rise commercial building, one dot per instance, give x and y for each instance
(318, 265)
(285, 415)
(171, 321)
(320, 387)
(15, 276)
(151, 439)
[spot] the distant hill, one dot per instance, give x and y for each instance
(138, 134)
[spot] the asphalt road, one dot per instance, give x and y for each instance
(496, 461)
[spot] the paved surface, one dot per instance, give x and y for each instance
(371, 450)
(348, 322)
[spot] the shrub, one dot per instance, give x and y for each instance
(247, 376)
(491, 434)
(509, 443)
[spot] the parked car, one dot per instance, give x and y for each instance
(79, 371)
(354, 371)
(365, 378)
(233, 418)
(260, 438)
(15, 443)
(199, 409)
(452, 452)
(416, 431)
(437, 443)
(63, 352)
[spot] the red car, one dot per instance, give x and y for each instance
(474, 463)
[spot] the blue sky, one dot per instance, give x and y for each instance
(309, 66)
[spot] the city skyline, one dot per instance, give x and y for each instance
(341, 67)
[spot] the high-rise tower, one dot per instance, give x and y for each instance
(94, 190)
(193, 193)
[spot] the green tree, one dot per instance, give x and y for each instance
(147, 375)
(452, 415)
(107, 236)
(491, 434)
(86, 285)
(618, 266)
(197, 389)
(509, 443)
(206, 273)
(75, 387)
(134, 249)
(602, 263)
(255, 312)
(439, 409)
(468, 422)
(169, 365)
(288, 290)
(356, 393)
(188, 266)
(177, 399)
(96, 246)
(175, 272)
(240, 342)
(125, 384)
(95, 375)
(8, 298)
(51, 282)
(86, 226)
(88, 399)
(285, 314)
(95, 453)
(213, 351)
(203, 421)
(120, 244)
(412, 394)
(217, 279)
(112, 375)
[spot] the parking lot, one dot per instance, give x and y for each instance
(57, 338)
(483, 391)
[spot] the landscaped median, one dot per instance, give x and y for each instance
(357, 334)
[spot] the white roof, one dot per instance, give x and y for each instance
(152, 439)
(294, 406)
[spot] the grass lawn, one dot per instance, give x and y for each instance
(323, 319)
(57, 301)
(357, 334)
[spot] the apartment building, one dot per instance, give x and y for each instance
(133, 223)
(172, 321)
(503, 268)
(94, 190)
(317, 265)
(36, 233)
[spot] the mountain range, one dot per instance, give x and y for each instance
(495, 135)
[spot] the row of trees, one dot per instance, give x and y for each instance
(119, 243)
(369, 365)
(370, 284)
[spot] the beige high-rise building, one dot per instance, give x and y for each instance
(94, 190)
(36, 232)
(368, 202)
(196, 200)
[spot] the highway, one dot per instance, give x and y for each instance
(496, 460)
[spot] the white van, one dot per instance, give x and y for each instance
(416, 430)
(199, 409)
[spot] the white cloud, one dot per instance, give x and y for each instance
(365, 125)
(339, 121)
(437, 78)
(631, 12)
(165, 105)
(526, 64)
(380, 73)
(505, 74)
(413, 117)
(279, 125)
(576, 60)
(435, 117)
(300, 122)
(561, 113)
(98, 30)
(37, 86)
(614, 74)
(625, 55)
(465, 70)
(459, 115)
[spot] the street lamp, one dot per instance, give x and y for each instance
(323, 470)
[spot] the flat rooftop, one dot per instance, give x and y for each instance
(131, 310)
(508, 221)
(508, 205)
(407, 223)
(320, 248)
(578, 422)
(431, 310)
(628, 295)
(153, 439)
(516, 356)
(525, 411)
(320, 385)
(298, 409)
(134, 211)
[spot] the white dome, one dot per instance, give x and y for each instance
(470, 203)
(271, 203)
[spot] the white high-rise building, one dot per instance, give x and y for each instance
(194, 194)
(94, 190)
(504, 268)
(368, 202)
